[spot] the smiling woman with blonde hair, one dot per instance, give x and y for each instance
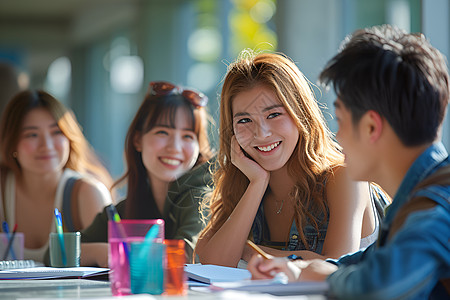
(281, 179)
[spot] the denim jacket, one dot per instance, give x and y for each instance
(411, 263)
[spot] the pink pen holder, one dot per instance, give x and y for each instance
(120, 236)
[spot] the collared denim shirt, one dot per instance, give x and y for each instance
(411, 263)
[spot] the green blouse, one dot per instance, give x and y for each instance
(181, 211)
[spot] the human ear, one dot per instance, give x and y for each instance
(375, 122)
(137, 142)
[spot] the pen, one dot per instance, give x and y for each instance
(257, 249)
(10, 241)
(112, 213)
(113, 216)
(59, 229)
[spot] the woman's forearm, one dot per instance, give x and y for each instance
(94, 254)
(225, 246)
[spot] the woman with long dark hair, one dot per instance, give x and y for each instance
(166, 150)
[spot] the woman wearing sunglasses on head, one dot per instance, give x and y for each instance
(166, 151)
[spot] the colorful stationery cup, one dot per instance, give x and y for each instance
(147, 264)
(15, 248)
(72, 249)
(175, 278)
(120, 235)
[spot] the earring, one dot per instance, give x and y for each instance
(14, 154)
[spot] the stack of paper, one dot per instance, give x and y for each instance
(49, 272)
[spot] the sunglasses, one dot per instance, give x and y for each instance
(162, 88)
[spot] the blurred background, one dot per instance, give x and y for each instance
(98, 56)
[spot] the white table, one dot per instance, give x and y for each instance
(86, 288)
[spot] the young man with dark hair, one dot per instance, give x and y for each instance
(392, 94)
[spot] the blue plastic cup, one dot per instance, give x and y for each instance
(147, 264)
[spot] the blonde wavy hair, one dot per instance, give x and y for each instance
(315, 155)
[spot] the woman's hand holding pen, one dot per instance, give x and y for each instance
(246, 165)
(262, 268)
(298, 270)
(247, 253)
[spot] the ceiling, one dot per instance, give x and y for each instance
(44, 9)
(42, 30)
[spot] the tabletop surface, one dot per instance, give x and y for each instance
(91, 289)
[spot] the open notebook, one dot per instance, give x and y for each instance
(274, 288)
(219, 278)
(49, 272)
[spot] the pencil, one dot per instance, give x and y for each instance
(257, 249)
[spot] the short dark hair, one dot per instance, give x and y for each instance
(395, 73)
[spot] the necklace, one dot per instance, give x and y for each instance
(281, 207)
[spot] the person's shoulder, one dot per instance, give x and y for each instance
(341, 190)
(90, 183)
(83, 179)
(436, 186)
(424, 218)
(90, 188)
(337, 175)
(192, 185)
(198, 176)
